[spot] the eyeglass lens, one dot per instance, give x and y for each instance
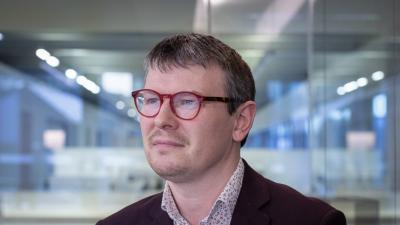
(185, 104)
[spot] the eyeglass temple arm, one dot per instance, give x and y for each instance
(217, 99)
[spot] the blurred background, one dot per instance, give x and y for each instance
(328, 94)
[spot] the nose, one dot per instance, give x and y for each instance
(166, 118)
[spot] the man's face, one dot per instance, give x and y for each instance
(179, 150)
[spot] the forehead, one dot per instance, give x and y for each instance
(192, 78)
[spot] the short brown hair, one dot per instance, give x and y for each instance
(183, 50)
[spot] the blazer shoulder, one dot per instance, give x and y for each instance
(135, 212)
(283, 204)
(286, 194)
(303, 208)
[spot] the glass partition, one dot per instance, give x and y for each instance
(354, 106)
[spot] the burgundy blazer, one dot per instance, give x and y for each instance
(260, 202)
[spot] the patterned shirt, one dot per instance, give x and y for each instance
(222, 210)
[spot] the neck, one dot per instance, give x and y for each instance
(195, 199)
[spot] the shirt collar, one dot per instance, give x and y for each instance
(227, 199)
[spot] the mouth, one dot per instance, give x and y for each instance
(166, 142)
(163, 143)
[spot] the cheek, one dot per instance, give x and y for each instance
(145, 127)
(213, 133)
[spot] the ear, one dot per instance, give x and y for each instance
(244, 116)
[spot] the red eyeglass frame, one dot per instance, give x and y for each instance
(171, 96)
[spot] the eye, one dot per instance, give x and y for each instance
(151, 101)
(187, 102)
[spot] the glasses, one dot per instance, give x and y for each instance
(185, 105)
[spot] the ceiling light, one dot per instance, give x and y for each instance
(81, 80)
(42, 54)
(361, 82)
(71, 74)
(131, 113)
(96, 90)
(88, 84)
(91, 86)
(53, 61)
(341, 91)
(351, 86)
(1, 36)
(120, 105)
(378, 75)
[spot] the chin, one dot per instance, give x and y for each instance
(168, 170)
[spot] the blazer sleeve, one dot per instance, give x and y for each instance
(333, 217)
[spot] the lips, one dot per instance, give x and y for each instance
(163, 142)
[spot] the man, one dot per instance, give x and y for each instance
(196, 110)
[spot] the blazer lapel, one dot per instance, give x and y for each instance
(162, 218)
(253, 198)
(156, 215)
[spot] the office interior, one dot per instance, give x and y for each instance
(328, 101)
